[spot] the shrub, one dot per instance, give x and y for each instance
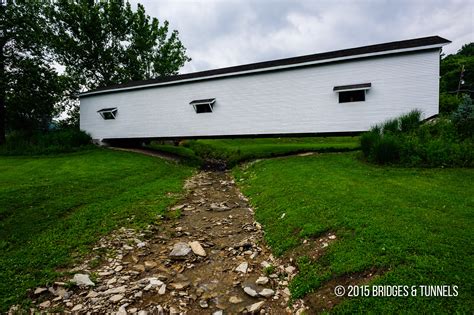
(52, 142)
(437, 143)
(369, 139)
(448, 103)
(390, 126)
(463, 118)
(386, 150)
(410, 122)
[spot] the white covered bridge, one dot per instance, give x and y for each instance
(342, 91)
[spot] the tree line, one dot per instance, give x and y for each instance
(50, 51)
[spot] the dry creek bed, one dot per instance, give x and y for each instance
(212, 260)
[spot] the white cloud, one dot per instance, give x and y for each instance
(219, 33)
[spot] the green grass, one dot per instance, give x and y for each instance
(234, 151)
(415, 224)
(188, 156)
(53, 208)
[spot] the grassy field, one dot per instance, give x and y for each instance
(416, 224)
(53, 207)
(234, 151)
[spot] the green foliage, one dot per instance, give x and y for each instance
(106, 42)
(52, 142)
(414, 224)
(448, 103)
(405, 141)
(463, 118)
(410, 121)
(451, 67)
(386, 149)
(55, 208)
(97, 42)
(34, 94)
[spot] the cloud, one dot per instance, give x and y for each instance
(219, 33)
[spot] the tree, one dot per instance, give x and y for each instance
(35, 95)
(105, 42)
(451, 67)
(22, 36)
(97, 42)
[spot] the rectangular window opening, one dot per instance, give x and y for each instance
(203, 106)
(108, 113)
(352, 96)
(352, 92)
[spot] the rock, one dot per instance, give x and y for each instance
(92, 294)
(286, 292)
(45, 304)
(235, 300)
(250, 291)
(180, 251)
(121, 311)
(203, 304)
(266, 293)
(332, 237)
(116, 290)
(173, 311)
(133, 310)
(179, 285)
(290, 270)
(197, 248)
(262, 280)
(61, 292)
(82, 280)
(255, 307)
(150, 264)
(141, 244)
(265, 264)
(219, 207)
(139, 267)
(154, 283)
(39, 291)
(220, 312)
(77, 308)
(283, 215)
(162, 289)
(242, 267)
(112, 281)
(143, 312)
(118, 268)
(115, 298)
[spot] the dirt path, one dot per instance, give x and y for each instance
(156, 271)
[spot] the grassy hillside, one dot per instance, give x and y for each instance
(415, 224)
(52, 208)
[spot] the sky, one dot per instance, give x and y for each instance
(221, 33)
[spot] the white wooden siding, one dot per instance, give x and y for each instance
(300, 100)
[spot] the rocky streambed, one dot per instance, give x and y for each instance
(211, 260)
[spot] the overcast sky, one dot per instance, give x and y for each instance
(221, 33)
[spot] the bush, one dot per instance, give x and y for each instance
(52, 142)
(386, 150)
(410, 122)
(448, 103)
(463, 118)
(408, 142)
